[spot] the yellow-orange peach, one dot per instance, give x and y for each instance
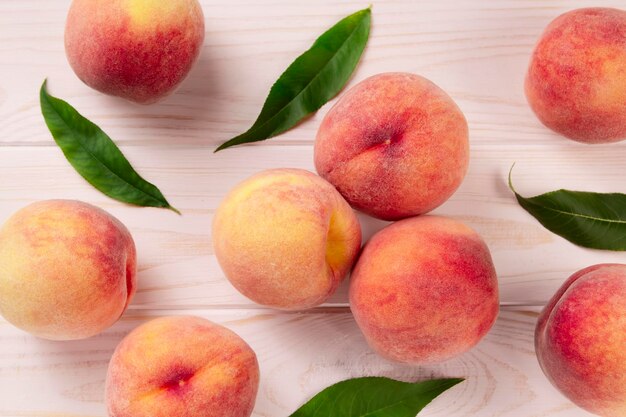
(67, 269)
(576, 82)
(136, 49)
(580, 339)
(424, 290)
(286, 238)
(395, 146)
(182, 366)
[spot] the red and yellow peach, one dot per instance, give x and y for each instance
(67, 269)
(424, 290)
(182, 366)
(395, 146)
(140, 50)
(286, 238)
(580, 339)
(576, 82)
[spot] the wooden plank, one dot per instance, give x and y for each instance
(176, 262)
(300, 354)
(477, 51)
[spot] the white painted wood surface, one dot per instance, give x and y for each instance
(299, 354)
(475, 50)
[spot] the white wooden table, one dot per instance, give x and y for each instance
(476, 50)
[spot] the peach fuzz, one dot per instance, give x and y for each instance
(286, 238)
(395, 146)
(576, 81)
(580, 339)
(140, 50)
(182, 366)
(67, 269)
(424, 290)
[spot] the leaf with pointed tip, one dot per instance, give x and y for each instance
(592, 220)
(374, 397)
(94, 155)
(311, 80)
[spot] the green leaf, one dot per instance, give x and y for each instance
(311, 80)
(374, 397)
(94, 155)
(592, 220)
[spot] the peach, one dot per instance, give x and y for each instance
(182, 366)
(140, 50)
(580, 339)
(286, 238)
(67, 269)
(395, 146)
(576, 82)
(424, 290)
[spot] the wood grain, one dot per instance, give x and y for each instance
(176, 262)
(476, 51)
(300, 354)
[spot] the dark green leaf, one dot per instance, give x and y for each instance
(311, 80)
(374, 397)
(592, 220)
(94, 155)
